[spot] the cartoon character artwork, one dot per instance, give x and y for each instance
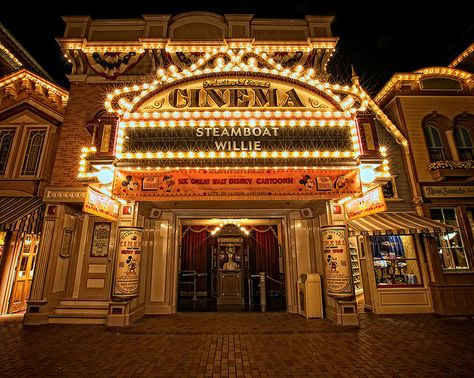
(129, 183)
(169, 182)
(332, 263)
(341, 182)
(307, 182)
(131, 264)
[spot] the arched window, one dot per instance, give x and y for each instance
(434, 143)
(463, 139)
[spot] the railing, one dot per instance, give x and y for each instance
(195, 275)
(263, 292)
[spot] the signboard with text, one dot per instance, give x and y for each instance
(449, 191)
(236, 184)
(370, 202)
(101, 205)
(336, 261)
(127, 267)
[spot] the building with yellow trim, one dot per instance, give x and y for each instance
(210, 162)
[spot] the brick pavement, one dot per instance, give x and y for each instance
(243, 344)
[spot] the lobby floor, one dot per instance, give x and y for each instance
(242, 344)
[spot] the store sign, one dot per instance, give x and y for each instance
(240, 95)
(236, 184)
(371, 202)
(127, 267)
(101, 205)
(232, 92)
(337, 261)
(443, 191)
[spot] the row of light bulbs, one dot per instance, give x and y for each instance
(240, 122)
(216, 114)
(233, 168)
(22, 74)
(235, 154)
(415, 76)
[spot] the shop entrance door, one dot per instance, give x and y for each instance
(24, 271)
(96, 275)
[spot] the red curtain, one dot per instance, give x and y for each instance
(264, 254)
(194, 253)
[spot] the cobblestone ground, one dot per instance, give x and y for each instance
(242, 344)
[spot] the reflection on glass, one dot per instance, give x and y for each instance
(450, 245)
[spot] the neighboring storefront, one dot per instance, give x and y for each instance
(31, 111)
(434, 107)
(214, 163)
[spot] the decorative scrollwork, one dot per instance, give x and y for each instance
(155, 105)
(315, 103)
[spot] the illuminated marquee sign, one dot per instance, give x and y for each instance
(269, 139)
(371, 202)
(236, 184)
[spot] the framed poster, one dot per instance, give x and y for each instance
(100, 239)
(66, 242)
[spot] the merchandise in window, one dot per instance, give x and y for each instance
(395, 262)
(450, 244)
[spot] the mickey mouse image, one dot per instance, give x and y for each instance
(332, 264)
(132, 264)
(169, 182)
(130, 183)
(307, 182)
(340, 182)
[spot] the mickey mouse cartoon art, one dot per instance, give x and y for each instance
(168, 180)
(307, 182)
(130, 183)
(332, 264)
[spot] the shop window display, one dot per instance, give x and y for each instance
(395, 262)
(450, 244)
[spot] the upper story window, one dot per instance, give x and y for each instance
(463, 140)
(33, 152)
(434, 143)
(6, 142)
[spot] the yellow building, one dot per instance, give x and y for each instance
(434, 109)
(205, 157)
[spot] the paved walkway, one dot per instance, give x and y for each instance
(242, 344)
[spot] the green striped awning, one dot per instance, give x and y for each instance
(392, 223)
(24, 214)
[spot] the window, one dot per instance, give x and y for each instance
(33, 152)
(435, 144)
(6, 141)
(463, 143)
(395, 262)
(450, 245)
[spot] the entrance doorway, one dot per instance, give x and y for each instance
(24, 271)
(223, 264)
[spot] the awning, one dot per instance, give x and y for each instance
(22, 214)
(388, 223)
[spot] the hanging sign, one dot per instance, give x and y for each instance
(99, 204)
(236, 184)
(337, 261)
(371, 202)
(127, 267)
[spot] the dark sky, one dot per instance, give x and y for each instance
(378, 41)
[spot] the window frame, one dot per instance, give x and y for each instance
(431, 146)
(458, 128)
(13, 148)
(462, 238)
(24, 149)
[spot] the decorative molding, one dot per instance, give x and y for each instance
(65, 195)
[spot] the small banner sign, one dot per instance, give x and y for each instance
(236, 184)
(337, 261)
(127, 268)
(371, 202)
(101, 205)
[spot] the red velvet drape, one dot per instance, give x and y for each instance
(194, 253)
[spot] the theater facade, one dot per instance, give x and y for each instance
(209, 163)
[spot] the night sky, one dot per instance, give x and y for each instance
(378, 41)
